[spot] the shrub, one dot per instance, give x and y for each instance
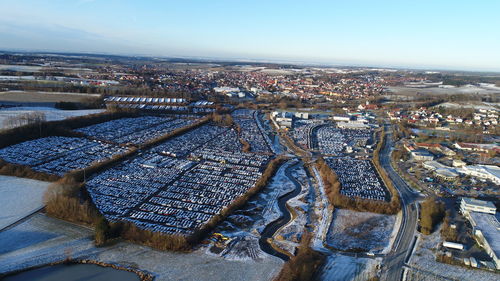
(431, 213)
(304, 265)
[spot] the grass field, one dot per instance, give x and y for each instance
(25, 96)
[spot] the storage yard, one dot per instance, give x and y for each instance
(59, 155)
(358, 178)
(137, 130)
(330, 140)
(252, 131)
(172, 195)
(303, 131)
(174, 187)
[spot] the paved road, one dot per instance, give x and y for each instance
(404, 242)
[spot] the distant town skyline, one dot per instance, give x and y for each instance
(455, 35)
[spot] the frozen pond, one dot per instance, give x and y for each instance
(74, 272)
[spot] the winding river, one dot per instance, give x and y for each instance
(274, 226)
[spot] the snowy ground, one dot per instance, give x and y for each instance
(41, 239)
(288, 237)
(51, 114)
(342, 268)
(360, 231)
(477, 105)
(18, 198)
(424, 261)
(245, 225)
(323, 212)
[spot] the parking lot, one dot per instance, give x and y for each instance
(358, 178)
(183, 145)
(334, 141)
(174, 187)
(59, 155)
(172, 195)
(303, 130)
(136, 130)
(251, 130)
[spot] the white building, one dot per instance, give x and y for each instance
(487, 172)
(421, 155)
(486, 230)
(468, 205)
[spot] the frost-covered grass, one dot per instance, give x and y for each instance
(51, 114)
(288, 237)
(360, 231)
(40, 240)
(19, 197)
(323, 212)
(344, 268)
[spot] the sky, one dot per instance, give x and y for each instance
(434, 34)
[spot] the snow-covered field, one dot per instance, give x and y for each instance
(477, 105)
(51, 114)
(288, 237)
(18, 198)
(41, 239)
(323, 211)
(467, 89)
(360, 231)
(424, 260)
(343, 268)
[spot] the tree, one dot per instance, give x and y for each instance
(431, 213)
(102, 231)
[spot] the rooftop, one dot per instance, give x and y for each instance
(490, 227)
(472, 201)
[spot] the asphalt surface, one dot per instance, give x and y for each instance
(403, 244)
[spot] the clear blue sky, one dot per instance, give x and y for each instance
(454, 34)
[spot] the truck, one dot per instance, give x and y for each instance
(453, 245)
(473, 262)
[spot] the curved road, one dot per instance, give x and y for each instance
(271, 228)
(404, 242)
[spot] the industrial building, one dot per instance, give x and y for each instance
(486, 228)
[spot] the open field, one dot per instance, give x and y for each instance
(465, 90)
(51, 114)
(27, 96)
(19, 198)
(360, 231)
(41, 239)
(341, 268)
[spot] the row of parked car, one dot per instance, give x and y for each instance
(358, 178)
(303, 130)
(137, 130)
(333, 141)
(134, 181)
(251, 131)
(183, 145)
(59, 155)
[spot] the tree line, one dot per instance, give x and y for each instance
(337, 199)
(304, 266)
